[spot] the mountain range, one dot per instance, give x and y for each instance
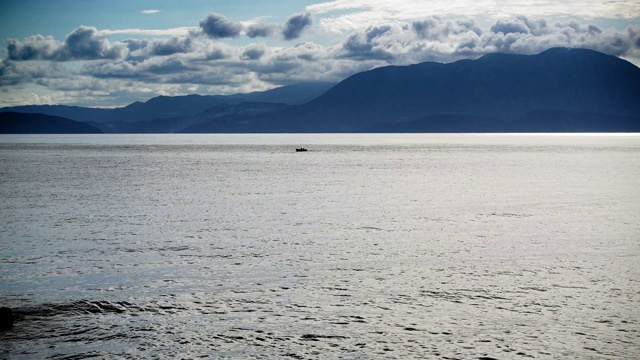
(558, 90)
(21, 123)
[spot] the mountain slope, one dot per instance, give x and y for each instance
(19, 123)
(557, 121)
(500, 86)
(218, 119)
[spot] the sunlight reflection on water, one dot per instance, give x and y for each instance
(367, 246)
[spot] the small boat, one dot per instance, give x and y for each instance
(301, 149)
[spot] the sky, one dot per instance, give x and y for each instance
(112, 53)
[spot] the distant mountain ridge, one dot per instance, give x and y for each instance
(21, 123)
(558, 90)
(174, 106)
(215, 119)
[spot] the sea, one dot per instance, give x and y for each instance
(367, 246)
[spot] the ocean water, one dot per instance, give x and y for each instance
(364, 247)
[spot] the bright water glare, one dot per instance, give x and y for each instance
(366, 246)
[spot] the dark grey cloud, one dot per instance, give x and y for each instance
(593, 29)
(276, 68)
(376, 31)
(171, 46)
(295, 25)
(215, 53)
(217, 26)
(427, 28)
(371, 44)
(510, 26)
(36, 47)
(141, 50)
(173, 65)
(111, 70)
(309, 51)
(261, 30)
(254, 52)
(8, 74)
(136, 44)
(435, 28)
(537, 27)
(20, 72)
(171, 70)
(84, 43)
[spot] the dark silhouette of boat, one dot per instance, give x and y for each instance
(301, 149)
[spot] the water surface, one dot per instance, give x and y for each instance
(366, 246)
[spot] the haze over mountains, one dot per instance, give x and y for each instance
(166, 106)
(558, 90)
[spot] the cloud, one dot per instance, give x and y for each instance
(84, 43)
(174, 45)
(171, 66)
(436, 29)
(525, 36)
(214, 52)
(178, 31)
(223, 65)
(261, 30)
(35, 47)
(295, 25)
(15, 73)
(217, 26)
(179, 69)
(254, 51)
(370, 44)
(349, 14)
(309, 51)
(106, 70)
(136, 44)
(149, 12)
(510, 27)
(437, 39)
